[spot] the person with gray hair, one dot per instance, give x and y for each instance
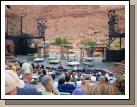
(48, 84)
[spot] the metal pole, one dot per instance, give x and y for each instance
(67, 53)
(80, 54)
(21, 26)
(7, 25)
(102, 53)
(120, 43)
(44, 47)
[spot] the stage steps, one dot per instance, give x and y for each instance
(118, 69)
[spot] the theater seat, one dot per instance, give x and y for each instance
(64, 93)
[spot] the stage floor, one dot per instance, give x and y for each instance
(99, 65)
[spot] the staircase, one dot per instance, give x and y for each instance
(111, 41)
(118, 69)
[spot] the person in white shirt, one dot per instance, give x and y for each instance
(75, 68)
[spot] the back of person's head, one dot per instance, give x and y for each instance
(87, 77)
(104, 88)
(27, 77)
(79, 74)
(32, 65)
(103, 79)
(120, 84)
(110, 74)
(42, 66)
(47, 82)
(94, 74)
(46, 79)
(61, 81)
(86, 85)
(27, 67)
(12, 82)
(44, 72)
(99, 73)
(73, 74)
(67, 74)
(67, 78)
(82, 78)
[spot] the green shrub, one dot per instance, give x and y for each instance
(59, 41)
(88, 42)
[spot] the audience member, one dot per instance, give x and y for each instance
(61, 81)
(73, 77)
(78, 76)
(12, 82)
(60, 67)
(68, 86)
(80, 81)
(75, 68)
(83, 89)
(98, 74)
(120, 84)
(27, 67)
(102, 87)
(28, 89)
(93, 77)
(47, 82)
(111, 78)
